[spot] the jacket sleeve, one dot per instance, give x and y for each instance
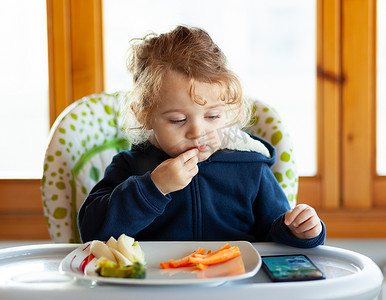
(120, 203)
(269, 209)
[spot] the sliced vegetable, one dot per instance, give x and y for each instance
(201, 260)
(201, 267)
(112, 243)
(100, 249)
(226, 246)
(125, 250)
(165, 265)
(107, 268)
(119, 258)
(138, 253)
(184, 261)
(219, 257)
(125, 246)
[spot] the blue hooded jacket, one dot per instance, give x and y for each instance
(234, 196)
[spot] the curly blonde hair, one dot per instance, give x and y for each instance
(187, 50)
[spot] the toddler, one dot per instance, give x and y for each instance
(187, 179)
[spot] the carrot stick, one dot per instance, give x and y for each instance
(200, 255)
(219, 257)
(182, 262)
(226, 246)
(210, 253)
(202, 260)
(201, 267)
(165, 265)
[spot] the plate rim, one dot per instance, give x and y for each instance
(167, 281)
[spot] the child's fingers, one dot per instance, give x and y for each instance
(314, 231)
(191, 166)
(291, 215)
(304, 216)
(303, 222)
(308, 224)
(186, 162)
(299, 214)
(307, 230)
(187, 155)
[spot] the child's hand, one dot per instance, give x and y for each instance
(303, 222)
(176, 173)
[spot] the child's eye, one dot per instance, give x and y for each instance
(179, 121)
(213, 117)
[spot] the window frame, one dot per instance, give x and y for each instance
(357, 206)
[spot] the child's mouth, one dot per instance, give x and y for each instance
(200, 148)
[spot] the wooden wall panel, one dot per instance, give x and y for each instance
(357, 105)
(310, 192)
(379, 192)
(28, 226)
(354, 223)
(21, 211)
(20, 196)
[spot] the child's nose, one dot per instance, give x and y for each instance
(195, 131)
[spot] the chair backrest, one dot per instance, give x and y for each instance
(83, 139)
(266, 123)
(88, 133)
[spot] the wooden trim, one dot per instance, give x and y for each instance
(21, 211)
(354, 224)
(23, 227)
(373, 81)
(358, 107)
(310, 191)
(20, 196)
(379, 182)
(324, 190)
(379, 190)
(75, 51)
(329, 82)
(86, 47)
(59, 56)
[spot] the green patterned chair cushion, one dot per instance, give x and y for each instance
(83, 140)
(266, 123)
(88, 133)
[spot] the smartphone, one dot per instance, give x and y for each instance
(296, 267)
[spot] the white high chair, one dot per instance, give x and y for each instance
(88, 133)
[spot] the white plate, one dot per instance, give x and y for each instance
(79, 265)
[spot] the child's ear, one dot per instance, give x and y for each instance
(140, 117)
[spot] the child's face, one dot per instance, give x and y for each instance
(180, 124)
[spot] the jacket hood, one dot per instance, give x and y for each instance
(243, 147)
(237, 139)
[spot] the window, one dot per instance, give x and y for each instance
(24, 88)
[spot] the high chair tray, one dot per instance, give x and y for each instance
(32, 272)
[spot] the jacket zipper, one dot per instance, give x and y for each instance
(197, 215)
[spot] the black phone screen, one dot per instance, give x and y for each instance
(291, 268)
